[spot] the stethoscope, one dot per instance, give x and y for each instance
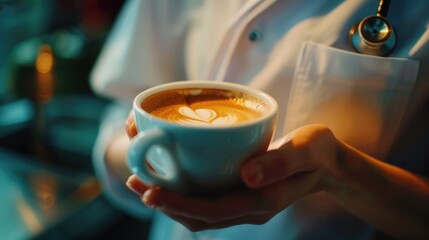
(374, 35)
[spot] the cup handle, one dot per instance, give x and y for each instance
(139, 165)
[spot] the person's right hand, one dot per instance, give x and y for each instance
(301, 163)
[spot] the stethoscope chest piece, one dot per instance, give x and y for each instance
(374, 35)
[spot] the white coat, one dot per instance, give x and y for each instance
(298, 52)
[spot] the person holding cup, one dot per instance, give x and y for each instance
(349, 152)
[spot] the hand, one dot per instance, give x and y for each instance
(299, 164)
(130, 125)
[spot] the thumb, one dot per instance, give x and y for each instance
(275, 165)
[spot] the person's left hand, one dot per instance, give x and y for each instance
(301, 163)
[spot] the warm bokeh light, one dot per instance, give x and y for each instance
(44, 73)
(45, 60)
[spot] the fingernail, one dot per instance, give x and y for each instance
(133, 128)
(137, 188)
(253, 174)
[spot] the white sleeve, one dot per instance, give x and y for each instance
(114, 189)
(144, 48)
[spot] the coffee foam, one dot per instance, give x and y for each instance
(205, 117)
(205, 107)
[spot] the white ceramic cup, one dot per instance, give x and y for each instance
(197, 158)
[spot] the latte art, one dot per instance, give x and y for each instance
(205, 117)
(205, 107)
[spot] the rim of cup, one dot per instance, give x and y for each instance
(207, 84)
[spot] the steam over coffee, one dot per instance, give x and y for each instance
(205, 107)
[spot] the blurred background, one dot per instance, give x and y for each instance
(49, 121)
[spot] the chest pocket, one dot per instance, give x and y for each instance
(361, 98)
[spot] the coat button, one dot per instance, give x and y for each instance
(254, 35)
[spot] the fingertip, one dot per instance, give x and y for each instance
(130, 125)
(146, 198)
(150, 198)
(252, 174)
(131, 128)
(127, 126)
(136, 185)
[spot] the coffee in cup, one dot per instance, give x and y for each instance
(205, 107)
